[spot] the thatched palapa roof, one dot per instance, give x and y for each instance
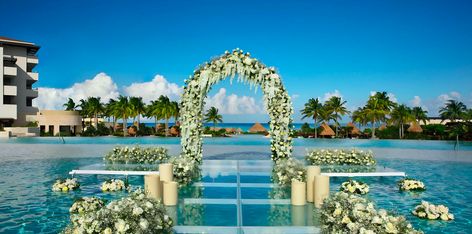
(355, 130)
(415, 127)
(383, 127)
(327, 131)
(257, 127)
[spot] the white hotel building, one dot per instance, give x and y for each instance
(17, 61)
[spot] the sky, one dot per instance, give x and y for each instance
(417, 51)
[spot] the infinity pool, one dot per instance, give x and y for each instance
(27, 204)
(249, 140)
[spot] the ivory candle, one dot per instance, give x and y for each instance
(321, 189)
(298, 193)
(165, 171)
(153, 186)
(312, 171)
(171, 195)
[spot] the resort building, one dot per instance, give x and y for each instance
(59, 121)
(18, 59)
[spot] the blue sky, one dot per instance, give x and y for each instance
(407, 48)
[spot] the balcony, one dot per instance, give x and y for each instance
(32, 59)
(32, 93)
(10, 90)
(8, 111)
(10, 71)
(33, 75)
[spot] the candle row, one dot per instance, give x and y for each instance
(161, 186)
(315, 189)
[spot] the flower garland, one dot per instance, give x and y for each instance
(185, 169)
(248, 70)
(349, 213)
(113, 185)
(65, 185)
(355, 187)
(286, 170)
(340, 157)
(429, 211)
(137, 154)
(133, 214)
(409, 184)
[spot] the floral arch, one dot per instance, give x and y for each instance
(248, 70)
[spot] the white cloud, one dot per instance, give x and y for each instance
(416, 101)
(295, 96)
(100, 86)
(392, 97)
(153, 89)
(233, 104)
(335, 93)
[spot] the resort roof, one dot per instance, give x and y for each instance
(327, 131)
(14, 42)
(355, 130)
(383, 127)
(257, 127)
(415, 127)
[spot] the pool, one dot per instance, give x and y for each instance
(253, 140)
(27, 204)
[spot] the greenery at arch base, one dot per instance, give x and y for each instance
(247, 70)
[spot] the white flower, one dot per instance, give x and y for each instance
(121, 226)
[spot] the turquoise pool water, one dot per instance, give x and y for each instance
(253, 140)
(27, 204)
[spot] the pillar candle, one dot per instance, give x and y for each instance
(312, 171)
(165, 171)
(298, 193)
(321, 189)
(171, 195)
(153, 186)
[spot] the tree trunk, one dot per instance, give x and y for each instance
(139, 121)
(124, 126)
(316, 130)
(155, 124)
(457, 142)
(373, 129)
(167, 127)
(400, 131)
(114, 124)
(96, 120)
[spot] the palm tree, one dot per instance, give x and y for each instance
(152, 111)
(85, 110)
(336, 105)
(213, 116)
(453, 110)
(360, 116)
(401, 115)
(137, 108)
(311, 110)
(325, 115)
(167, 110)
(111, 110)
(70, 105)
(124, 108)
(377, 108)
(95, 107)
(420, 114)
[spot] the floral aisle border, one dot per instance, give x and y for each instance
(248, 70)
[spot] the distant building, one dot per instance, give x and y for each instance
(55, 121)
(17, 61)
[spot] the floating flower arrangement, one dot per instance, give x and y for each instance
(340, 157)
(426, 210)
(113, 185)
(65, 185)
(355, 187)
(137, 155)
(409, 184)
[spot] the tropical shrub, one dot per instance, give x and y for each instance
(137, 155)
(345, 213)
(133, 214)
(340, 157)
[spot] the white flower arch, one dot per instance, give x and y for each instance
(249, 70)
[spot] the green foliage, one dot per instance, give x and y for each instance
(31, 124)
(390, 132)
